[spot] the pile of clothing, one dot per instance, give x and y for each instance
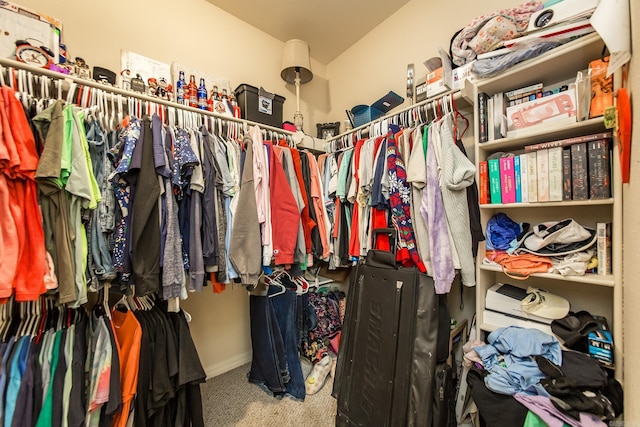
(564, 247)
(523, 377)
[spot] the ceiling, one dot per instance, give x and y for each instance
(329, 26)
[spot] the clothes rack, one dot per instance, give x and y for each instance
(116, 91)
(418, 111)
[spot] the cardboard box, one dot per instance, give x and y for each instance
(558, 106)
(435, 83)
(458, 75)
(601, 343)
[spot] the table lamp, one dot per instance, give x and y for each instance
(296, 68)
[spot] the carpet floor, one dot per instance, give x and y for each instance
(231, 400)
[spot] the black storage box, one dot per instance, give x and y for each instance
(260, 106)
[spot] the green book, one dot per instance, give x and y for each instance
(494, 180)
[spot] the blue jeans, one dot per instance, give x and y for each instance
(275, 365)
(268, 364)
(284, 306)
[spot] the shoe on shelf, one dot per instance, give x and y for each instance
(318, 375)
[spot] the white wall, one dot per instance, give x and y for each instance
(377, 63)
(202, 36)
(190, 32)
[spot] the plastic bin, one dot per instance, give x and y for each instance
(260, 106)
(363, 114)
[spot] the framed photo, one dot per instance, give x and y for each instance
(327, 130)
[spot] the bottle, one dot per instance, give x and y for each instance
(181, 85)
(225, 97)
(202, 95)
(193, 92)
(210, 102)
(236, 109)
(216, 95)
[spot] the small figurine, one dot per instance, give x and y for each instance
(82, 69)
(161, 90)
(153, 86)
(126, 79)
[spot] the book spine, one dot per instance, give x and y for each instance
(599, 172)
(566, 174)
(507, 180)
(483, 184)
(518, 92)
(567, 142)
(524, 177)
(579, 174)
(518, 178)
(532, 175)
(542, 158)
(494, 181)
(555, 174)
(490, 125)
(482, 117)
(603, 243)
(499, 130)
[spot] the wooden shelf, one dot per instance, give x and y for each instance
(567, 203)
(559, 64)
(542, 133)
(589, 279)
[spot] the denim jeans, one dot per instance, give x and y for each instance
(268, 364)
(284, 306)
(274, 338)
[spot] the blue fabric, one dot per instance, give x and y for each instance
(268, 364)
(284, 306)
(502, 233)
(18, 366)
(378, 200)
(509, 358)
(4, 376)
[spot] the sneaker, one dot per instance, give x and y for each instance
(318, 375)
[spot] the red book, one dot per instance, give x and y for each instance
(483, 184)
(507, 180)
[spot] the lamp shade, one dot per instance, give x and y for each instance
(296, 54)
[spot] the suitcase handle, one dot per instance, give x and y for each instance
(393, 237)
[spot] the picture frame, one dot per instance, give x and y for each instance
(328, 130)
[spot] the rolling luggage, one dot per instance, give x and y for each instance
(386, 364)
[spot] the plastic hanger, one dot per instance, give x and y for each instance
(122, 303)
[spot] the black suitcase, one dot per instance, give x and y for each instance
(386, 364)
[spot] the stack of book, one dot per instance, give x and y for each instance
(568, 169)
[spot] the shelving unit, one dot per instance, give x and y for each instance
(598, 294)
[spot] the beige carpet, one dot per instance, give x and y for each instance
(230, 400)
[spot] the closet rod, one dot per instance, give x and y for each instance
(11, 63)
(457, 96)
